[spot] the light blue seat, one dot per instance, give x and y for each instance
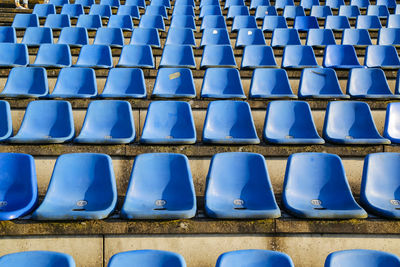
(209, 3)
(74, 36)
(57, 21)
(46, 122)
(362, 4)
(147, 258)
(210, 10)
(393, 21)
(187, 10)
(59, 3)
(138, 3)
(321, 11)
(234, 11)
(8, 34)
(284, 37)
(389, 36)
(263, 11)
(53, 55)
(174, 83)
(156, 10)
(382, 56)
(222, 83)
(387, 3)
(229, 122)
(145, 36)
(124, 22)
(133, 56)
(258, 56)
(211, 36)
(177, 56)
(337, 23)
(241, 22)
(180, 36)
(255, 258)
(152, 21)
(290, 12)
(320, 83)
(320, 37)
(125, 83)
(316, 187)
(361, 257)
(90, 22)
(132, 11)
(73, 10)
(217, 56)
(349, 11)
(183, 21)
(35, 36)
(37, 258)
(26, 82)
(305, 23)
(185, 3)
(350, 122)
(165, 3)
(42, 10)
(164, 192)
(92, 195)
(238, 187)
(213, 22)
(13, 55)
(270, 83)
(308, 4)
(169, 122)
(298, 56)
(370, 22)
(356, 37)
(104, 11)
(251, 37)
(340, 57)
(95, 56)
(254, 4)
(85, 3)
(111, 3)
(334, 4)
(281, 4)
(368, 83)
(5, 121)
(271, 23)
(113, 37)
(108, 122)
(23, 21)
(290, 122)
(378, 10)
(229, 3)
(75, 83)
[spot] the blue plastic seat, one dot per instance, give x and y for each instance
(258, 56)
(8, 34)
(183, 21)
(73, 10)
(169, 122)
(238, 187)
(177, 56)
(152, 21)
(138, 3)
(316, 187)
(23, 21)
(251, 37)
(42, 10)
(389, 36)
(356, 37)
(263, 11)
(47, 122)
(37, 258)
(382, 56)
(164, 192)
(337, 23)
(320, 37)
(229, 3)
(334, 4)
(174, 83)
(91, 196)
(90, 22)
(123, 22)
(361, 257)
(180, 36)
(132, 11)
(387, 3)
(213, 22)
(209, 3)
(290, 12)
(349, 11)
(281, 4)
(125, 83)
(254, 4)
(145, 36)
(217, 56)
(360, 3)
(5, 121)
(183, 10)
(95, 56)
(298, 56)
(104, 11)
(85, 3)
(57, 21)
(53, 55)
(368, 22)
(308, 4)
(59, 3)
(165, 3)
(241, 22)
(393, 21)
(111, 3)
(219, 36)
(340, 57)
(133, 56)
(305, 23)
(284, 37)
(229, 122)
(271, 23)
(156, 10)
(350, 122)
(13, 55)
(210, 10)
(321, 11)
(234, 11)
(320, 83)
(290, 122)
(222, 83)
(74, 36)
(75, 83)
(26, 82)
(113, 37)
(147, 258)
(380, 11)
(270, 83)
(35, 36)
(255, 258)
(185, 3)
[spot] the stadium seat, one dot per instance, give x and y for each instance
(165, 3)
(147, 258)
(35, 36)
(321, 11)
(334, 4)
(104, 11)
(254, 257)
(145, 36)
(74, 36)
(247, 37)
(263, 11)
(217, 56)
(391, 130)
(320, 83)
(270, 83)
(241, 22)
(177, 56)
(125, 83)
(90, 22)
(281, 4)
(305, 23)
(46, 122)
(132, 11)
(219, 36)
(23, 21)
(108, 122)
(133, 56)
(113, 37)
(213, 22)
(380, 11)
(95, 56)
(349, 11)
(124, 22)
(271, 23)
(185, 3)
(337, 23)
(42, 10)
(5, 123)
(284, 37)
(169, 122)
(164, 192)
(151, 21)
(298, 56)
(389, 36)
(26, 82)
(37, 258)
(361, 257)
(174, 83)
(183, 10)
(209, 3)
(57, 21)
(85, 3)
(229, 122)
(316, 187)
(368, 22)
(308, 4)
(320, 37)
(368, 83)
(222, 83)
(290, 122)
(53, 55)
(73, 10)
(229, 3)
(156, 10)
(238, 187)
(254, 4)
(111, 3)
(180, 36)
(210, 10)
(360, 3)
(393, 21)
(356, 37)
(92, 195)
(258, 56)
(13, 55)
(8, 34)
(350, 122)
(75, 83)
(340, 57)
(290, 12)
(183, 21)
(138, 3)
(388, 3)
(234, 11)
(59, 3)
(382, 56)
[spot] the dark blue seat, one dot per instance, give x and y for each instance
(125, 83)
(74, 36)
(217, 56)
(180, 36)
(298, 56)
(213, 22)
(315, 187)
(104, 11)
(152, 21)
(5, 121)
(132, 11)
(361, 257)
(271, 23)
(13, 55)
(174, 83)
(187, 10)
(111, 3)
(95, 56)
(270, 83)
(145, 36)
(255, 258)
(59, 3)
(320, 83)
(337, 23)
(281, 4)
(42, 10)
(391, 130)
(349, 11)
(26, 82)
(321, 11)
(23, 21)
(263, 11)
(90, 22)
(73, 10)
(147, 258)
(356, 37)
(47, 122)
(393, 21)
(320, 37)
(350, 122)
(133, 56)
(85, 3)
(209, 3)
(308, 4)
(218, 36)
(183, 21)
(241, 22)
(113, 37)
(254, 4)
(258, 56)
(340, 57)
(389, 36)
(177, 56)
(156, 10)
(123, 22)
(378, 10)
(305, 23)
(238, 187)
(234, 11)
(229, 3)
(8, 34)
(35, 36)
(251, 37)
(210, 10)
(138, 3)
(57, 21)
(91, 196)
(284, 37)
(382, 56)
(53, 55)
(334, 4)
(368, 22)
(362, 4)
(229, 122)
(75, 83)
(290, 12)
(222, 83)
(37, 258)
(164, 192)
